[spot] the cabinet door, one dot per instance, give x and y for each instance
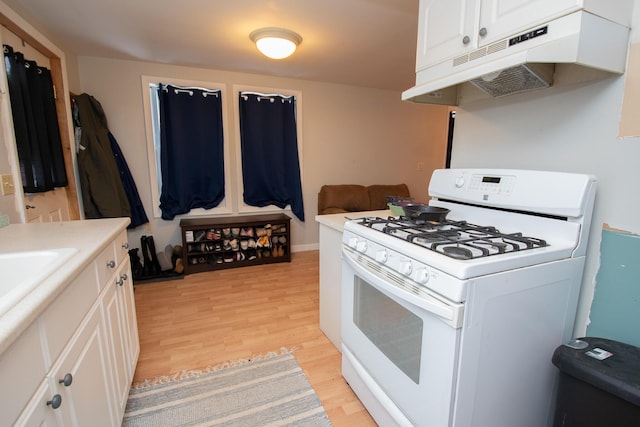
(38, 412)
(504, 18)
(129, 322)
(446, 29)
(87, 400)
(117, 343)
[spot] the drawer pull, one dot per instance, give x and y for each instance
(111, 264)
(124, 276)
(55, 402)
(125, 245)
(67, 380)
(120, 282)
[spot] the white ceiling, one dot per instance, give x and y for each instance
(357, 42)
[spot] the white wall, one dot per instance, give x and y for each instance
(350, 134)
(572, 129)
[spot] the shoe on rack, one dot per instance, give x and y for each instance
(246, 231)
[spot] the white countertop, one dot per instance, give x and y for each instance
(89, 237)
(336, 221)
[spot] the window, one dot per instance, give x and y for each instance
(275, 185)
(272, 170)
(269, 151)
(196, 169)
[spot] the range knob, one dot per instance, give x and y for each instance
(382, 256)
(353, 242)
(361, 246)
(459, 183)
(422, 275)
(405, 267)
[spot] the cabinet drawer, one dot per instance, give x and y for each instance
(62, 317)
(106, 264)
(121, 246)
(22, 368)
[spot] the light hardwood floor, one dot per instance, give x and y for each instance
(209, 318)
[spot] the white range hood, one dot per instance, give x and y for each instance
(527, 60)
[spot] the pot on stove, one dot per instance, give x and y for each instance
(418, 212)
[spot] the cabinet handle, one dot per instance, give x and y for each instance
(67, 380)
(55, 401)
(466, 40)
(111, 264)
(29, 207)
(120, 282)
(482, 32)
(124, 276)
(125, 245)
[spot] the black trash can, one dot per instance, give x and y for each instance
(599, 384)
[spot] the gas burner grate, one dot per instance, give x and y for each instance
(455, 239)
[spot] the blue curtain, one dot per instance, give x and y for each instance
(269, 141)
(35, 123)
(191, 149)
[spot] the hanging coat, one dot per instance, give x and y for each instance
(103, 194)
(138, 215)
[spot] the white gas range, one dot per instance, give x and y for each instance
(453, 322)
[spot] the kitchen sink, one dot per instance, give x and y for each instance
(22, 272)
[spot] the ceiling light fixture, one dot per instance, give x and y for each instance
(276, 43)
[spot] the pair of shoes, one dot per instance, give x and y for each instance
(263, 231)
(213, 234)
(263, 242)
(246, 232)
(279, 228)
(278, 250)
(278, 239)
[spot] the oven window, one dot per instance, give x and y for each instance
(393, 329)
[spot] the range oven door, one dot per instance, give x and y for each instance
(399, 351)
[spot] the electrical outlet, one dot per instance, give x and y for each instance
(7, 184)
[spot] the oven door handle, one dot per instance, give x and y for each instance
(449, 312)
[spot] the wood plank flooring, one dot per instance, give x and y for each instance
(209, 318)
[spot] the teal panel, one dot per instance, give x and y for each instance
(615, 311)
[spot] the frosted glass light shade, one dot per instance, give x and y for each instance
(276, 43)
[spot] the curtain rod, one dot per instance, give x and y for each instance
(187, 89)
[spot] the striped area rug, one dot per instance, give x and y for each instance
(268, 390)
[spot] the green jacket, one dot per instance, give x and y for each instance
(103, 195)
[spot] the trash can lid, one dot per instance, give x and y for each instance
(609, 365)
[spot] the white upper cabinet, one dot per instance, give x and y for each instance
(449, 28)
(445, 30)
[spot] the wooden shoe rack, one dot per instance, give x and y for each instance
(228, 242)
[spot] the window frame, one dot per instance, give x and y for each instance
(242, 207)
(226, 206)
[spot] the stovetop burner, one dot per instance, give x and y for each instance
(455, 239)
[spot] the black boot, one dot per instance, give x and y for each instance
(155, 264)
(136, 265)
(147, 267)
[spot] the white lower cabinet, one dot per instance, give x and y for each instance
(82, 377)
(38, 412)
(74, 365)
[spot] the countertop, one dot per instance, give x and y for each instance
(336, 221)
(89, 237)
